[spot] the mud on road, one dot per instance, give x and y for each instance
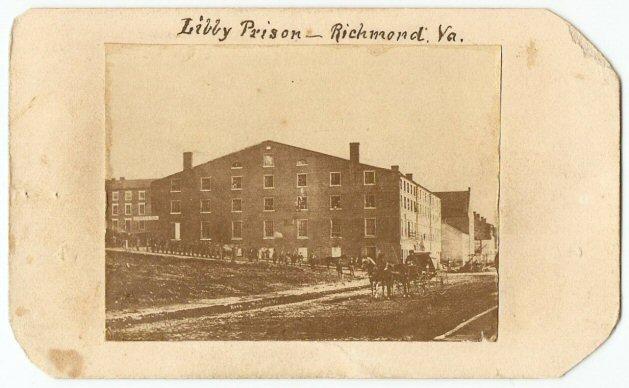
(351, 316)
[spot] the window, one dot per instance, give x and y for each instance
(206, 183)
(269, 183)
(114, 224)
(127, 224)
(176, 235)
(236, 230)
(335, 202)
(114, 209)
(335, 179)
(369, 177)
(141, 225)
(236, 204)
(302, 162)
(269, 204)
(141, 209)
(128, 195)
(302, 202)
(301, 180)
(302, 228)
(175, 207)
(370, 201)
(205, 206)
(370, 227)
(142, 195)
(175, 185)
(236, 183)
(205, 230)
(127, 209)
(268, 229)
(114, 196)
(236, 165)
(335, 228)
(267, 161)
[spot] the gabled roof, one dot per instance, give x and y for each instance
(300, 149)
(283, 145)
(290, 146)
(128, 184)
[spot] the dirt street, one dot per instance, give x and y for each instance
(345, 316)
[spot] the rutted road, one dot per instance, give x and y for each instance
(340, 316)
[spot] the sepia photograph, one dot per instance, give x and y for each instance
(306, 192)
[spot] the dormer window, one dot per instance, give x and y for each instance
(236, 165)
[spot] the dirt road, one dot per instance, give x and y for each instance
(344, 316)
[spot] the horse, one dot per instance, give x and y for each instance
(401, 274)
(379, 276)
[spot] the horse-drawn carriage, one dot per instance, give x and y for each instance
(417, 274)
(423, 274)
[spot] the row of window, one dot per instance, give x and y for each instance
(126, 225)
(128, 209)
(269, 204)
(128, 195)
(268, 181)
(413, 190)
(424, 210)
(269, 232)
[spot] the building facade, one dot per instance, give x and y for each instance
(129, 213)
(420, 218)
(485, 240)
(279, 197)
(458, 244)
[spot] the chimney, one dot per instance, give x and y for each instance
(354, 152)
(395, 168)
(409, 176)
(187, 160)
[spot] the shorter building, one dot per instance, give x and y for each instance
(485, 240)
(457, 227)
(128, 211)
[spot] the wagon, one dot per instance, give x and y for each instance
(423, 274)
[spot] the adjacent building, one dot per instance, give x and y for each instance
(485, 240)
(457, 223)
(279, 197)
(129, 213)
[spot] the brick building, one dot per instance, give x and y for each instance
(280, 197)
(128, 210)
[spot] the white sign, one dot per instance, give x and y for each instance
(145, 218)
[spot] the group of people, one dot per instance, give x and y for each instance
(230, 252)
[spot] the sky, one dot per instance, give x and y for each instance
(432, 110)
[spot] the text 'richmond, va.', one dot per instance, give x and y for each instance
(338, 32)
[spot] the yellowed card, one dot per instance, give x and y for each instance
(311, 193)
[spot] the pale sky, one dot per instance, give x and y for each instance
(433, 110)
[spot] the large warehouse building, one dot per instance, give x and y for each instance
(279, 197)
